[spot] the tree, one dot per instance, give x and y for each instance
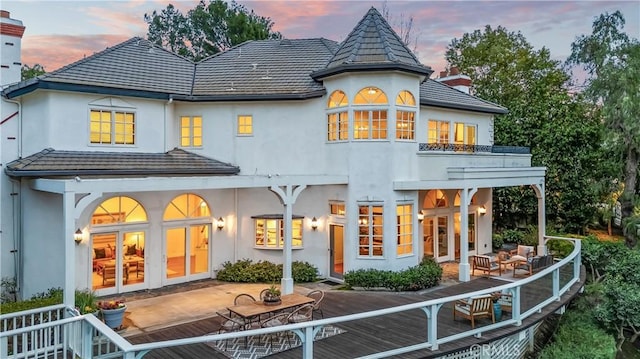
(28, 72)
(207, 29)
(612, 60)
(562, 130)
(404, 27)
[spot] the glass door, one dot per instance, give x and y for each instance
(336, 251)
(117, 262)
(471, 233)
(442, 248)
(186, 253)
(436, 237)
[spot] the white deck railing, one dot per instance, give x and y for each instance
(87, 337)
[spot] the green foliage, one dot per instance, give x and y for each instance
(530, 236)
(577, 328)
(562, 130)
(425, 275)
(612, 59)
(52, 297)
(28, 72)
(497, 241)
(513, 236)
(596, 255)
(8, 290)
(264, 271)
(207, 29)
(86, 301)
(559, 248)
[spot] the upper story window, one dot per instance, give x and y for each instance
(337, 117)
(245, 125)
(112, 127)
(370, 231)
(438, 132)
(269, 231)
(405, 116)
(464, 133)
(191, 131)
(370, 123)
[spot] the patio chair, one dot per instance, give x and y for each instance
(274, 321)
(475, 307)
(231, 324)
(318, 296)
(485, 264)
(243, 298)
(525, 252)
(301, 314)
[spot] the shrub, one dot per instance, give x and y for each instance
(559, 247)
(246, 271)
(425, 275)
(513, 236)
(52, 297)
(497, 241)
(85, 301)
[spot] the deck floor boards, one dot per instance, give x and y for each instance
(377, 334)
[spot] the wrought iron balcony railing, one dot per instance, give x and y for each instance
(454, 147)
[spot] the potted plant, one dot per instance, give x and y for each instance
(112, 312)
(85, 301)
(272, 296)
(497, 307)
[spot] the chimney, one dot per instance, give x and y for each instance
(11, 32)
(456, 80)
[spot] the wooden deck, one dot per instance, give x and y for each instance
(380, 333)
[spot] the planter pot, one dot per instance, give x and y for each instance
(113, 317)
(497, 311)
(272, 301)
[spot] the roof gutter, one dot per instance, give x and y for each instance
(118, 172)
(456, 106)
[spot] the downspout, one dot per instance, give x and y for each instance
(16, 205)
(164, 144)
(235, 239)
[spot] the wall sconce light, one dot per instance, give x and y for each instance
(363, 221)
(420, 216)
(77, 237)
(314, 223)
(220, 223)
(482, 210)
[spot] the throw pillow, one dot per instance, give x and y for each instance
(108, 252)
(131, 250)
(99, 253)
(518, 258)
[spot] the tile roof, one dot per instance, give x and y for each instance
(135, 64)
(373, 44)
(434, 93)
(176, 162)
(268, 67)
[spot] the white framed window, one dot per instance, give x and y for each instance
(438, 132)
(269, 231)
(404, 215)
(370, 230)
(464, 133)
(112, 127)
(245, 125)
(337, 117)
(405, 116)
(337, 208)
(371, 122)
(191, 131)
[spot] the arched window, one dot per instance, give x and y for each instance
(370, 123)
(186, 206)
(405, 116)
(337, 117)
(456, 200)
(118, 210)
(435, 198)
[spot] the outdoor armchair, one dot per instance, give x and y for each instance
(475, 307)
(485, 264)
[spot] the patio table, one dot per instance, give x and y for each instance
(258, 308)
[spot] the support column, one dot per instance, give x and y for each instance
(542, 222)
(68, 207)
(464, 270)
(287, 195)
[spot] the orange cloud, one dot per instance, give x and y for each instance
(56, 51)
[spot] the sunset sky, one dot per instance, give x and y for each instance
(61, 32)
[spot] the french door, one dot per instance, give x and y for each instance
(336, 251)
(186, 253)
(118, 262)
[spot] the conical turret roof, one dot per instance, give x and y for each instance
(373, 45)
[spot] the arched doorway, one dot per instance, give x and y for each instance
(187, 229)
(118, 233)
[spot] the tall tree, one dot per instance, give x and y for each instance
(404, 27)
(28, 72)
(560, 129)
(208, 28)
(612, 59)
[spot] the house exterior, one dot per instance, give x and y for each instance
(135, 168)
